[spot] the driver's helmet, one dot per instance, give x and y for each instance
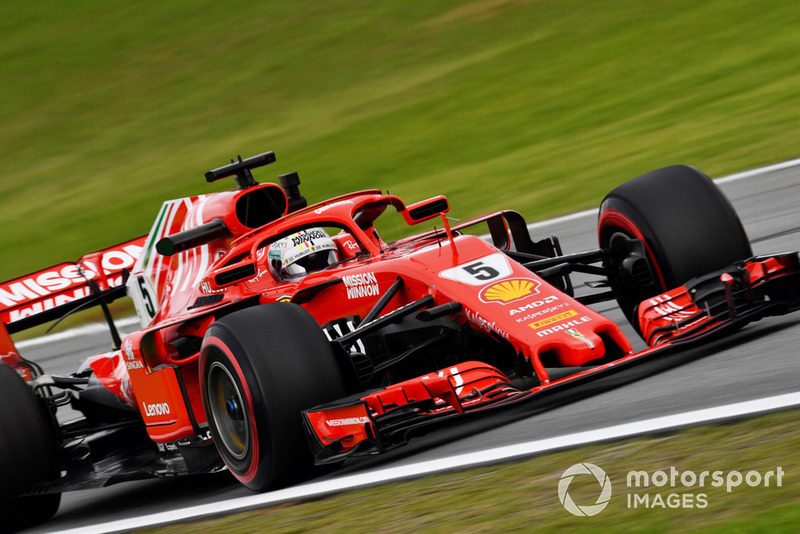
(301, 253)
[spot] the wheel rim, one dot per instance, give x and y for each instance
(629, 298)
(228, 411)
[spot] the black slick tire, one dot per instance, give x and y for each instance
(260, 368)
(28, 454)
(688, 226)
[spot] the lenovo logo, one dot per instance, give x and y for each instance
(160, 408)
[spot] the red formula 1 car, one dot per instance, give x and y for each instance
(276, 336)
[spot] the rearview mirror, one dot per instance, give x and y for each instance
(426, 210)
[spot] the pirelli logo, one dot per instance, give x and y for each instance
(553, 319)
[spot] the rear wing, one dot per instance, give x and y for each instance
(51, 293)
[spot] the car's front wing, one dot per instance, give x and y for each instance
(696, 312)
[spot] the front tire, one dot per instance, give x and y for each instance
(687, 225)
(28, 454)
(261, 367)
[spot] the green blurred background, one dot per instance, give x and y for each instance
(109, 108)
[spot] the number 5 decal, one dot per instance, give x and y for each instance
(143, 296)
(479, 272)
(146, 298)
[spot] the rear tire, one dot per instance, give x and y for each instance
(687, 225)
(28, 454)
(261, 367)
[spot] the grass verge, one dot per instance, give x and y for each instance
(523, 496)
(542, 107)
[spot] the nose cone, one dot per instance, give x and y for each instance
(574, 348)
(577, 339)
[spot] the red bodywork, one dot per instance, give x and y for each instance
(493, 297)
(499, 298)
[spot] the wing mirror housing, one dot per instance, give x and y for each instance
(426, 210)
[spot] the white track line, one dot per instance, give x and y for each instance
(756, 172)
(462, 461)
(724, 180)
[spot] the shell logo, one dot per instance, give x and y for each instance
(510, 290)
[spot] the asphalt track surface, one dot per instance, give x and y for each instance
(760, 361)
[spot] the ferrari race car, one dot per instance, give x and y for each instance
(275, 336)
